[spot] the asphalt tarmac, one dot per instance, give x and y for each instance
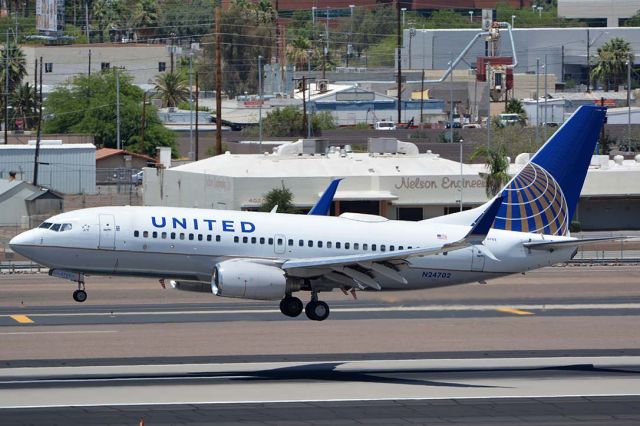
(556, 346)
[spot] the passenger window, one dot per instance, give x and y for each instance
(55, 227)
(328, 244)
(261, 240)
(65, 227)
(253, 240)
(200, 237)
(218, 238)
(356, 246)
(383, 248)
(301, 243)
(164, 235)
(270, 241)
(373, 247)
(280, 241)
(310, 243)
(245, 240)
(409, 247)
(236, 239)
(45, 225)
(290, 243)
(208, 237)
(182, 235)
(154, 234)
(346, 246)
(136, 234)
(337, 245)
(145, 234)
(391, 248)
(173, 235)
(190, 237)
(320, 244)
(400, 248)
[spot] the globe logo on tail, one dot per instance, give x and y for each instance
(534, 203)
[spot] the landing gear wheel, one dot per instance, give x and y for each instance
(317, 310)
(79, 295)
(291, 306)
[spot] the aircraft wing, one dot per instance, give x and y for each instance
(362, 268)
(554, 245)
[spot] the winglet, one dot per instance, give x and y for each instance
(323, 206)
(482, 225)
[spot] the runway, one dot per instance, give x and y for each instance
(557, 346)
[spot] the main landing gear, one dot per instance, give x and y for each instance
(80, 295)
(316, 310)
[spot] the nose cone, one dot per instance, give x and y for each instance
(22, 242)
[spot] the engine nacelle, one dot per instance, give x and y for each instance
(245, 279)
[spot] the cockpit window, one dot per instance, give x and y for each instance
(55, 227)
(45, 225)
(65, 227)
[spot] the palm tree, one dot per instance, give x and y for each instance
(24, 103)
(612, 62)
(497, 167)
(171, 88)
(298, 52)
(17, 65)
(145, 17)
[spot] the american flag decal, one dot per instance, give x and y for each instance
(442, 236)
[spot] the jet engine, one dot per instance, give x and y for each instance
(247, 279)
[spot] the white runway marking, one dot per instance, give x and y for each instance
(434, 308)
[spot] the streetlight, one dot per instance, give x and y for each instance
(349, 45)
(471, 16)
(404, 9)
(513, 18)
(260, 95)
(629, 60)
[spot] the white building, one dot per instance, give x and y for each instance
(66, 168)
(397, 183)
(611, 10)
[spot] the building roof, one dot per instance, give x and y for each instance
(326, 165)
(8, 188)
(103, 153)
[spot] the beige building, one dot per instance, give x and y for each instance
(142, 61)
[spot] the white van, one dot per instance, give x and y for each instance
(385, 125)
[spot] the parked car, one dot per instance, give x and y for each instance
(136, 178)
(472, 126)
(385, 125)
(509, 120)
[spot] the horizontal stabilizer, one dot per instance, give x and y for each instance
(554, 245)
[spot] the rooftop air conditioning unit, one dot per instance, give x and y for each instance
(322, 85)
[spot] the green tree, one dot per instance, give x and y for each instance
(634, 21)
(611, 65)
(299, 52)
(88, 105)
(172, 88)
(497, 167)
(288, 121)
(17, 66)
(281, 197)
(24, 105)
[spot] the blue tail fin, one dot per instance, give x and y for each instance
(542, 197)
(323, 206)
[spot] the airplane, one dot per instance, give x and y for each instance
(271, 256)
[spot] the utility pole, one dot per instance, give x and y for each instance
(118, 145)
(197, 118)
(260, 95)
(629, 59)
(86, 19)
(39, 133)
(6, 90)
(488, 79)
(35, 77)
(399, 47)
(421, 97)
(326, 46)
(89, 67)
(537, 101)
(544, 123)
(191, 155)
(588, 63)
(304, 102)
(451, 99)
(218, 81)
(144, 113)
(309, 118)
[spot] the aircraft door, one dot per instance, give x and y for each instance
(477, 259)
(107, 232)
(279, 243)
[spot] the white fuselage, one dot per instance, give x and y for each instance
(182, 243)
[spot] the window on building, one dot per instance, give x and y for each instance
(162, 66)
(410, 213)
(48, 67)
(105, 66)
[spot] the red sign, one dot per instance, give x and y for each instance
(253, 104)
